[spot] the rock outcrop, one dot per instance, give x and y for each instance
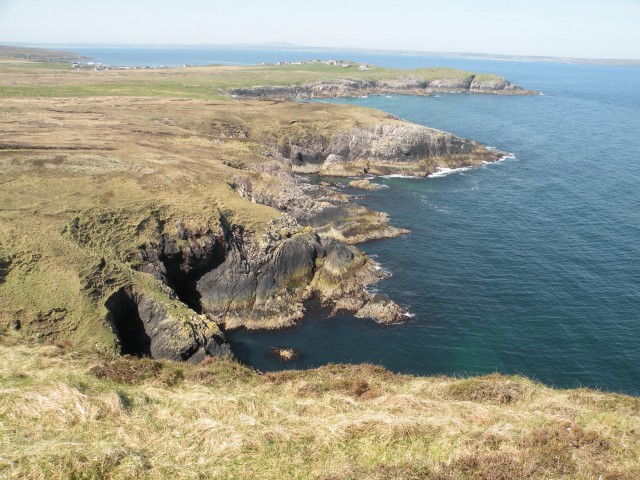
(408, 85)
(382, 149)
(236, 279)
(364, 184)
(158, 325)
(322, 208)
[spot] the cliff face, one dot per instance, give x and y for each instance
(157, 229)
(382, 149)
(146, 325)
(237, 280)
(409, 85)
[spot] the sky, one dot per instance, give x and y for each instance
(564, 28)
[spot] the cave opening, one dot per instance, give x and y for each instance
(184, 283)
(123, 310)
(183, 271)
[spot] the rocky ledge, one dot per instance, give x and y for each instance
(407, 85)
(391, 147)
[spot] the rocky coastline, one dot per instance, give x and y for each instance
(236, 279)
(165, 267)
(404, 85)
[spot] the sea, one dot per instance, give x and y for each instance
(528, 266)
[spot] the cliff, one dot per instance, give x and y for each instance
(382, 148)
(162, 221)
(156, 231)
(405, 85)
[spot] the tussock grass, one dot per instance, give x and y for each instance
(72, 415)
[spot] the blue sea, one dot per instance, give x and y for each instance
(527, 266)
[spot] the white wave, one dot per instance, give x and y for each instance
(388, 96)
(398, 175)
(437, 96)
(364, 96)
(444, 171)
(508, 156)
(409, 315)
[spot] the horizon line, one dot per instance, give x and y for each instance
(292, 46)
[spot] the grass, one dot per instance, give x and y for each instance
(70, 415)
(18, 79)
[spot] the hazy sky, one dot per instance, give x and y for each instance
(575, 28)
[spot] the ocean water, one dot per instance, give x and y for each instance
(528, 266)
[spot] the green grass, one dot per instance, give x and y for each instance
(18, 79)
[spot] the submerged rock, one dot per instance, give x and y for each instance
(284, 354)
(364, 185)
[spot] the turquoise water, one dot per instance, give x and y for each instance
(528, 266)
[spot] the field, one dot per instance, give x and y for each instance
(19, 78)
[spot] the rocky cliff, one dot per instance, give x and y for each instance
(407, 85)
(236, 279)
(384, 148)
(161, 222)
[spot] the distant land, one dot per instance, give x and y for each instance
(290, 46)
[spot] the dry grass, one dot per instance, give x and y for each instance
(65, 415)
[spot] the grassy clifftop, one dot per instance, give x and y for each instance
(20, 78)
(65, 415)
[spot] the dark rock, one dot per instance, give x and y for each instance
(147, 325)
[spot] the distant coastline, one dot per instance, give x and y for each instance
(622, 62)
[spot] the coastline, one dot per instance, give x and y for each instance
(118, 201)
(168, 275)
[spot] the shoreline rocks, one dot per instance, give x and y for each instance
(406, 85)
(364, 184)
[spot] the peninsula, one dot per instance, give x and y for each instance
(147, 211)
